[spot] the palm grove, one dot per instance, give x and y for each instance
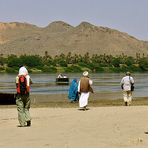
(68, 63)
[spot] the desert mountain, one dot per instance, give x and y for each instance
(59, 37)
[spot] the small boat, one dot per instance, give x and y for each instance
(62, 81)
(7, 98)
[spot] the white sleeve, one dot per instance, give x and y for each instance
(90, 82)
(79, 86)
(132, 80)
(28, 80)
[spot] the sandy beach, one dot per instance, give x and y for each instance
(68, 127)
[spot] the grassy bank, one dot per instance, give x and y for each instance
(92, 103)
(61, 101)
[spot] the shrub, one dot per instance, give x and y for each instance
(73, 68)
(49, 69)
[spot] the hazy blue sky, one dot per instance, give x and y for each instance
(128, 16)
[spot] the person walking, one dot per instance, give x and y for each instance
(73, 95)
(84, 88)
(127, 83)
(23, 101)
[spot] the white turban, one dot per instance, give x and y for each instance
(85, 73)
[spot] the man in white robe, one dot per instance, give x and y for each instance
(84, 88)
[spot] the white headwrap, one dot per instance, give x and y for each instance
(23, 71)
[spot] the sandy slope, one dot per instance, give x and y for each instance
(101, 127)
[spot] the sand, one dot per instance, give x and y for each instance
(98, 127)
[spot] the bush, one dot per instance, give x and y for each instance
(32, 60)
(14, 62)
(135, 68)
(11, 70)
(73, 68)
(143, 64)
(49, 69)
(98, 69)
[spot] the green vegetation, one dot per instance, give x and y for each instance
(63, 103)
(74, 63)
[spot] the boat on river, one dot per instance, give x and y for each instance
(62, 80)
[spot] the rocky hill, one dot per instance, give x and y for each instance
(59, 37)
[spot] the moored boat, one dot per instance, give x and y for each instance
(62, 79)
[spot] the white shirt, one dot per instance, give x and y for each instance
(126, 81)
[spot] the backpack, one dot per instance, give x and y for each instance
(22, 85)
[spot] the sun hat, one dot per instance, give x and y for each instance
(85, 73)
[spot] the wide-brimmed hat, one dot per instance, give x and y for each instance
(85, 73)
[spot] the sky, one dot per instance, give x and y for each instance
(128, 16)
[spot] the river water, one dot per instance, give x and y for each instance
(102, 83)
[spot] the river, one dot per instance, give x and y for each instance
(102, 83)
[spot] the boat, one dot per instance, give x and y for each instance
(62, 81)
(7, 98)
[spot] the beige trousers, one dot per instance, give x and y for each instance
(23, 106)
(127, 96)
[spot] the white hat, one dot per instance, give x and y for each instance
(23, 71)
(85, 73)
